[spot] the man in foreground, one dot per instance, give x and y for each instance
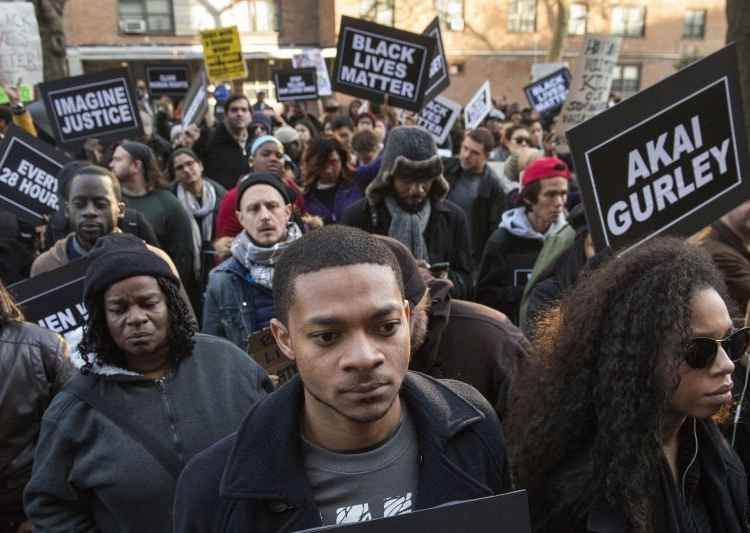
(355, 436)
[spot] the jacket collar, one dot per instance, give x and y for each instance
(426, 358)
(267, 461)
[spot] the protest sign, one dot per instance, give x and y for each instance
(262, 348)
(296, 84)
(54, 299)
(478, 107)
(547, 94)
(314, 58)
(170, 80)
(592, 80)
(439, 78)
(195, 102)
(540, 70)
(672, 158)
(222, 51)
(28, 175)
(438, 117)
(20, 49)
(100, 105)
(373, 61)
(508, 513)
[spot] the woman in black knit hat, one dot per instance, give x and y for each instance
(151, 393)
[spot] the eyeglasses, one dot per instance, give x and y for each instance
(702, 350)
(521, 140)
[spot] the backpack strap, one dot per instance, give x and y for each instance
(84, 388)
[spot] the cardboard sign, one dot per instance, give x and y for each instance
(547, 94)
(20, 48)
(28, 175)
(478, 107)
(100, 105)
(313, 58)
(672, 158)
(262, 347)
(592, 80)
(508, 513)
(170, 80)
(373, 61)
(296, 84)
(439, 78)
(438, 117)
(223, 53)
(54, 299)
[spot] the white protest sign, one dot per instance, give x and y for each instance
(478, 107)
(20, 47)
(313, 58)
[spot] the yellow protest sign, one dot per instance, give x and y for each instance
(223, 54)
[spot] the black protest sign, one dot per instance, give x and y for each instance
(672, 158)
(374, 61)
(438, 75)
(478, 516)
(100, 105)
(195, 103)
(262, 347)
(438, 117)
(170, 80)
(548, 94)
(28, 175)
(296, 84)
(54, 299)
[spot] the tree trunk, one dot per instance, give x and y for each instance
(738, 31)
(559, 27)
(49, 16)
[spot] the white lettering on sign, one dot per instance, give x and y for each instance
(94, 109)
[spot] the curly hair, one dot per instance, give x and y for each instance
(316, 157)
(98, 346)
(590, 428)
(9, 311)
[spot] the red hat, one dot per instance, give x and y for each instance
(546, 167)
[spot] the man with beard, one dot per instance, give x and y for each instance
(406, 201)
(354, 436)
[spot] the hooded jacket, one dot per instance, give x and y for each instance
(255, 479)
(90, 475)
(508, 260)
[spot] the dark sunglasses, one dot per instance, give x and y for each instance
(521, 140)
(702, 350)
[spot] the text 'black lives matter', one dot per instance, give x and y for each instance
(438, 116)
(548, 94)
(28, 175)
(170, 80)
(296, 84)
(672, 158)
(373, 61)
(439, 79)
(98, 105)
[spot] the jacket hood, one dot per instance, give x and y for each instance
(109, 371)
(517, 223)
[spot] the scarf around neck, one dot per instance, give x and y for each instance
(260, 260)
(408, 228)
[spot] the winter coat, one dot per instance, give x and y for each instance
(732, 258)
(346, 195)
(90, 475)
(447, 237)
(235, 305)
(508, 260)
(255, 479)
(34, 366)
(224, 159)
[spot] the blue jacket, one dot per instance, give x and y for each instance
(235, 305)
(255, 481)
(346, 195)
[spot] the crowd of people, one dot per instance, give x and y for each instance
(455, 334)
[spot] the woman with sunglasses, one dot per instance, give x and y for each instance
(616, 434)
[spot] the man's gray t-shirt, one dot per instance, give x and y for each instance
(464, 193)
(361, 486)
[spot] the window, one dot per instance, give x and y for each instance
(626, 80)
(629, 21)
(577, 20)
(380, 11)
(146, 16)
(522, 16)
(451, 13)
(264, 16)
(694, 26)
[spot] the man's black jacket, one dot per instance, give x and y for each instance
(224, 160)
(255, 481)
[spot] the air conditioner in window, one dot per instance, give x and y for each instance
(133, 26)
(456, 23)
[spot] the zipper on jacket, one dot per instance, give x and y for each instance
(161, 383)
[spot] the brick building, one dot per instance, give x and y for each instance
(495, 39)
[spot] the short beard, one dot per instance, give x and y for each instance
(411, 208)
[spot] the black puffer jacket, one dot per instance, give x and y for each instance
(34, 366)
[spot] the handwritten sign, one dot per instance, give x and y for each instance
(223, 54)
(313, 58)
(20, 48)
(262, 347)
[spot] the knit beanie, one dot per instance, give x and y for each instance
(139, 152)
(286, 134)
(261, 178)
(414, 285)
(263, 139)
